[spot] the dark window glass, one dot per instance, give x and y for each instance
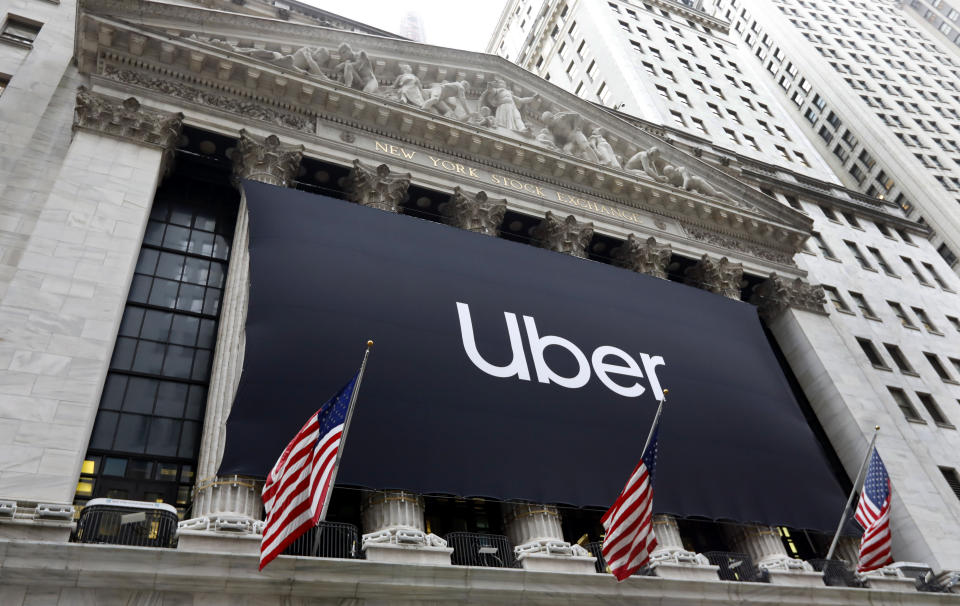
(131, 433)
(104, 429)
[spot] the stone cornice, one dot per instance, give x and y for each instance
(127, 119)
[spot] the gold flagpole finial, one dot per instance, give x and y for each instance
(666, 391)
(876, 427)
(369, 343)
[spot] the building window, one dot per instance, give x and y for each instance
(752, 142)
(898, 311)
(855, 250)
(899, 359)
(933, 409)
(938, 368)
(698, 124)
(663, 92)
(883, 229)
(872, 354)
(678, 119)
(732, 136)
(822, 245)
(953, 480)
(936, 276)
(903, 402)
(881, 261)
(835, 298)
(147, 432)
(4, 83)
(913, 269)
(925, 320)
(19, 30)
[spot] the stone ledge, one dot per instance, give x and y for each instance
(56, 565)
(54, 531)
(392, 553)
(686, 572)
(207, 541)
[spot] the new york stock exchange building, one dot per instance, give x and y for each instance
(208, 208)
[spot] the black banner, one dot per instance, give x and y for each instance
(502, 370)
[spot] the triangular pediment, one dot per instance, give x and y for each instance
(480, 104)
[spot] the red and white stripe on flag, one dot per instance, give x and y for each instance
(297, 487)
(873, 514)
(629, 539)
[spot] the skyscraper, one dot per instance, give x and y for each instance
(879, 96)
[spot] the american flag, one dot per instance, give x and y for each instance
(298, 487)
(629, 539)
(873, 513)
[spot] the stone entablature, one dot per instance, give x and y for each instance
(483, 108)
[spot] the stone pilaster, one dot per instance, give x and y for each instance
(85, 234)
(474, 212)
(537, 537)
(378, 187)
(233, 503)
(394, 530)
(127, 119)
(564, 235)
(643, 256)
(671, 560)
(776, 294)
(765, 548)
(719, 276)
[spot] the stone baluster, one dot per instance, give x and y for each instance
(718, 276)
(233, 503)
(474, 212)
(564, 235)
(643, 256)
(537, 536)
(765, 547)
(394, 530)
(776, 294)
(377, 187)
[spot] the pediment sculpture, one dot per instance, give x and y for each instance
(498, 106)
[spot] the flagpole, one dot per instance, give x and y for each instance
(653, 425)
(346, 427)
(856, 485)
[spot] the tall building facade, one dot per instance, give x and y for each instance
(876, 93)
(125, 287)
(664, 62)
(942, 17)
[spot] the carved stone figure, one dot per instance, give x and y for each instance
(679, 176)
(408, 87)
(648, 162)
(605, 154)
(502, 101)
(643, 256)
(545, 138)
(565, 127)
(356, 70)
(446, 97)
(474, 212)
(482, 117)
(377, 187)
(265, 159)
(565, 235)
(309, 59)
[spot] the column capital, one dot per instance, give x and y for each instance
(127, 119)
(563, 234)
(474, 212)
(718, 276)
(265, 159)
(377, 187)
(643, 256)
(776, 294)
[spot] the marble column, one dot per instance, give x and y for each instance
(718, 276)
(534, 529)
(536, 534)
(563, 234)
(474, 212)
(62, 306)
(376, 186)
(765, 547)
(233, 503)
(670, 559)
(394, 530)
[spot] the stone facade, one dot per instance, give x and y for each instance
(400, 117)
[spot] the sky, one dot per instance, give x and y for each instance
(463, 25)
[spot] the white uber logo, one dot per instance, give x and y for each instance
(606, 360)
